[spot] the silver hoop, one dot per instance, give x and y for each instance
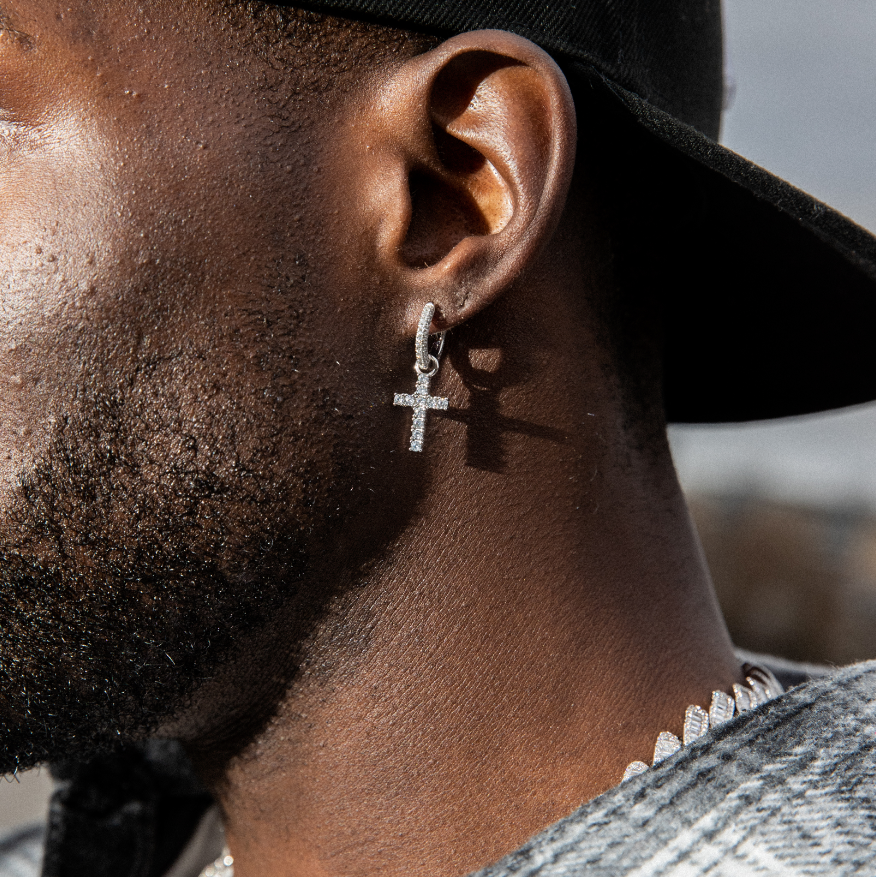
(434, 365)
(427, 364)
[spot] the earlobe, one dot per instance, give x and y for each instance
(480, 144)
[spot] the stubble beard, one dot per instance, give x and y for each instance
(136, 552)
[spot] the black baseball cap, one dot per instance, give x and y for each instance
(770, 304)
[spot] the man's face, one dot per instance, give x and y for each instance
(177, 433)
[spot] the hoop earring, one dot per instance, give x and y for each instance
(426, 366)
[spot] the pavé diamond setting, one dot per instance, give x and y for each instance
(426, 366)
(421, 402)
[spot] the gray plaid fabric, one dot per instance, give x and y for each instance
(789, 789)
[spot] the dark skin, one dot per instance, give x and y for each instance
(482, 637)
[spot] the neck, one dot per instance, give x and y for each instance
(545, 615)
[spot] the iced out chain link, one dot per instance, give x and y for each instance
(762, 686)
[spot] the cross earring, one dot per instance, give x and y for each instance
(426, 366)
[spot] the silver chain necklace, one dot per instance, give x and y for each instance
(760, 687)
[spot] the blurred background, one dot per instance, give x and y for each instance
(786, 510)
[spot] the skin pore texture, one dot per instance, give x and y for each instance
(219, 228)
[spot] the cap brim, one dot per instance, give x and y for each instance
(771, 306)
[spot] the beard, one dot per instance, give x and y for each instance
(138, 550)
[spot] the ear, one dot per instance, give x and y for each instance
(470, 150)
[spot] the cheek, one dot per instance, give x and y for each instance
(55, 246)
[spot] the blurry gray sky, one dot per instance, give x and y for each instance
(805, 109)
(805, 104)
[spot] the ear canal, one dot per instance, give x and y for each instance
(463, 197)
(442, 215)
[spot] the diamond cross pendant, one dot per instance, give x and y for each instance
(420, 401)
